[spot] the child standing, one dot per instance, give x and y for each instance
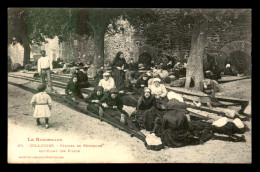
(41, 103)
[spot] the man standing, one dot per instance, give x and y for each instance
(44, 68)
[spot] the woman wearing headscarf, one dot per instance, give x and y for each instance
(73, 89)
(118, 66)
(144, 116)
(112, 104)
(158, 89)
(107, 82)
(94, 100)
(142, 81)
(175, 126)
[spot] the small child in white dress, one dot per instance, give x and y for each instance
(41, 103)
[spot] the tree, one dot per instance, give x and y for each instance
(201, 20)
(34, 25)
(18, 28)
(194, 25)
(94, 22)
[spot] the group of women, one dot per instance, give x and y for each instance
(157, 110)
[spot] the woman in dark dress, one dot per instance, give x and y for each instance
(175, 125)
(112, 104)
(144, 116)
(94, 100)
(142, 81)
(118, 66)
(73, 89)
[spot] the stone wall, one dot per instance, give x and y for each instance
(178, 44)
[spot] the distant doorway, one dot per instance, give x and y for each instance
(241, 61)
(145, 58)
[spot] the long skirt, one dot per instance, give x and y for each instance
(130, 99)
(119, 77)
(144, 119)
(116, 114)
(173, 138)
(93, 108)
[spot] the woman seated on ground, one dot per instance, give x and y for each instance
(144, 116)
(130, 95)
(112, 104)
(107, 82)
(129, 88)
(142, 81)
(132, 66)
(73, 88)
(94, 100)
(228, 71)
(158, 89)
(152, 65)
(163, 74)
(82, 78)
(176, 69)
(174, 128)
(206, 131)
(98, 77)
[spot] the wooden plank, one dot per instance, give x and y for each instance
(200, 94)
(222, 80)
(187, 97)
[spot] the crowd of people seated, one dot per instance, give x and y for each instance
(157, 110)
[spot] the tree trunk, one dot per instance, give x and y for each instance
(98, 60)
(27, 49)
(195, 61)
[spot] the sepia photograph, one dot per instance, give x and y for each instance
(129, 85)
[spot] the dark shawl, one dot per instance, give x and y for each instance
(146, 103)
(94, 95)
(175, 125)
(74, 88)
(112, 102)
(141, 81)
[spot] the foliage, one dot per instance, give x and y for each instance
(51, 22)
(17, 24)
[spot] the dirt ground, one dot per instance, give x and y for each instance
(116, 146)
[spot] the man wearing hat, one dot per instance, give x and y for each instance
(107, 82)
(44, 68)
